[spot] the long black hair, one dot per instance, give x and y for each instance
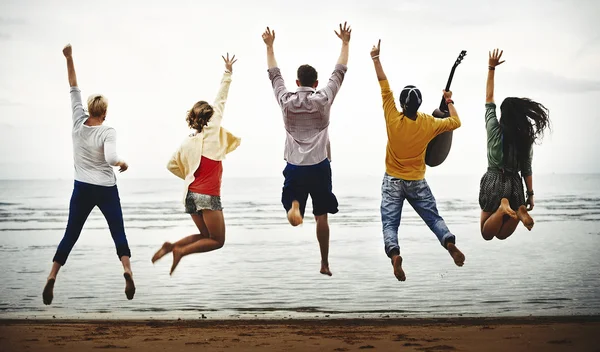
(523, 122)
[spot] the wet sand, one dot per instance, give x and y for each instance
(452, 334)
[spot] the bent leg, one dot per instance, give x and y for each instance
(215, 225)
(167, 247)
(493, 223)
(507, 228)
(421, 198)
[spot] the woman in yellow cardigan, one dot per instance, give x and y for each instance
(198, 163)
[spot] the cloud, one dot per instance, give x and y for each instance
(550, 82)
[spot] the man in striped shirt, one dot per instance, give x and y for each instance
(307, 150)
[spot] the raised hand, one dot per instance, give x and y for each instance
(268, 36)
(494, 57)
(375, 50)
(68, 51)
(344, 33)
(447, 94)
(229, 62)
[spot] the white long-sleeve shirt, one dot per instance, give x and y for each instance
(94, 147)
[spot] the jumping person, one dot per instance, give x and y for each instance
(509, 150)
(94, 154)
(198, 161)
(409, 132)
(307, 150)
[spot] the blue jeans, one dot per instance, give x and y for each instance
(84, 198)
(393, 193)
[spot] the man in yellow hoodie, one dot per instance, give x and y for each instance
(409, 132)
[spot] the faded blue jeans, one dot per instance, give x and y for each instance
(393, 193)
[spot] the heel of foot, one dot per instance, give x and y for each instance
(129, 286)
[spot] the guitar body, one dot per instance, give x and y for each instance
(439, 147)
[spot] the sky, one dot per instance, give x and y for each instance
(154, 59)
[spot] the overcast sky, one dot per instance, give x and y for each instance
(155, 59)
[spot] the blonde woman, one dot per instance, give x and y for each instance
(198, 161)
(94, 155)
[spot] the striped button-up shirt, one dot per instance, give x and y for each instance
(306, 117)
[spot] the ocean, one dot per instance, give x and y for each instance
(267, 269)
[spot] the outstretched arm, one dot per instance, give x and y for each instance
(344, 35)
(269, 37)
(450, 123)
(274, 72)
(378, 68)
(493, 61)
(68, 52)
(219, 104)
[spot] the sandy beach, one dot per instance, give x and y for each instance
(453, 334)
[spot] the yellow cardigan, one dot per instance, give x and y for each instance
(214, 142)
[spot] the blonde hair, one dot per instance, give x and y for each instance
(97, 105)
(199, 116)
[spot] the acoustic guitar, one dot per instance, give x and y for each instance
(439, 147)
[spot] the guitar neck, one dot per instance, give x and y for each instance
(443, 105)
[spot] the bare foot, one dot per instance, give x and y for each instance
(177, 255)
(48, 294)
(525, 218)
(129, 285)
(166, 248)
(506, 209)
(325, 269)
(294, 216)
(398, 272)
(457, 255)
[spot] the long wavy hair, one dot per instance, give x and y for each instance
(523, 122)
(199, 115)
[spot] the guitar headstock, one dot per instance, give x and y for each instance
(460, 57)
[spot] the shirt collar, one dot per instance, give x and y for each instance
(305, 89)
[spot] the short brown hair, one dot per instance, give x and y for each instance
(97, 105)
(199, 115)
(307, 75)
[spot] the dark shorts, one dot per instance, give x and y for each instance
(496, 185)
(313, 180)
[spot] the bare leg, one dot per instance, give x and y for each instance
(128, 274)
(525, 218)
(490, 226)
(397, 264)
(507, 228)
(167, 247)
(323, 238)
(48, 293)
(293, 215)
(456, 254)
(215, 224)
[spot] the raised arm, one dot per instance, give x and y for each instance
(344, 35)
(219, 104)
(493, 61)
(68, 52)
(79, 115)
(274, 72)
(378, 68)
(269, 37)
